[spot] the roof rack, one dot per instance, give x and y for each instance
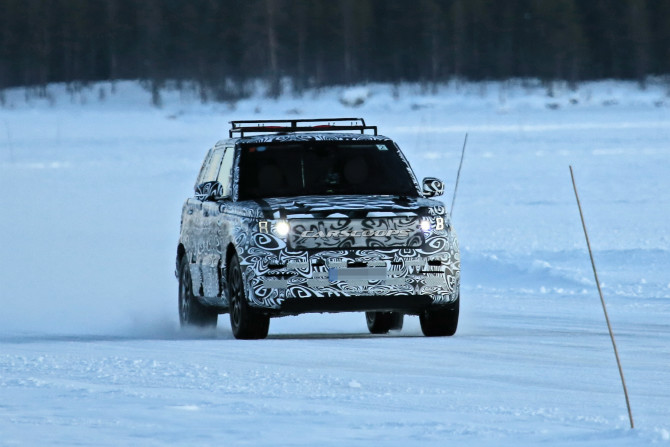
(298, 125)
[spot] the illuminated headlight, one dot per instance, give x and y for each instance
(282, 228)
(425, 225)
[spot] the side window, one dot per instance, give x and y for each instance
(203, 168)
(212, 169)
(225, 173)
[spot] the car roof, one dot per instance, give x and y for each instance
(302, 136)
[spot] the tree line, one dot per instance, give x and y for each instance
(221, 45)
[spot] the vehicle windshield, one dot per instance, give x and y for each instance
(323, 168)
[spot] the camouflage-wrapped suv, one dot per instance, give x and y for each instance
(297, 216)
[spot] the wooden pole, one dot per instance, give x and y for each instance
(458, 176)
(602, 301)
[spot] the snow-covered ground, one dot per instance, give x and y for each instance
(91, 188)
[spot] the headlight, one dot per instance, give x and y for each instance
(282, 228)
(425, 225)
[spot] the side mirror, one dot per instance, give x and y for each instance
(209, 191)
(432, 187)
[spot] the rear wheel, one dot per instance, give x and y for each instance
(382, 322)
(441, 321)
(245, 321)
(191, 312)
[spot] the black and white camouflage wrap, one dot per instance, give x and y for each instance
(432, 187)
(337, 246)
(208, 191)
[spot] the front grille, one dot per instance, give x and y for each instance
(344, 233)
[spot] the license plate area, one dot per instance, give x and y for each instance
(356, 273)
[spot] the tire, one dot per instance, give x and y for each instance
(246, 322)
(440, 322)
(191, 311)
(382, 322)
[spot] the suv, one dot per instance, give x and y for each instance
(315, 215)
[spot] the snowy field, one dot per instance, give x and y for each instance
(91, 188)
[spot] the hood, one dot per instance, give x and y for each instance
(345, 206)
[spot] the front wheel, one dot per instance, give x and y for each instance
(440, 322)
(191, 312)
(246, 322)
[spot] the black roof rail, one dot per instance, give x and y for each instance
(299, 125)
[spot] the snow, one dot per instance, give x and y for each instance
(91, 188)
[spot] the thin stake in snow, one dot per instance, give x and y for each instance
(458, 176)
(602, 300)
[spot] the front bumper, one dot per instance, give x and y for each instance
(330, 282)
